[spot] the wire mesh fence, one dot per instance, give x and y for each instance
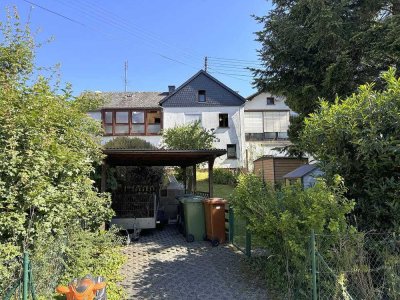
(358, 266)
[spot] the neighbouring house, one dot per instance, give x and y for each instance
(266, 119)
(306, 175)
(136, 114)
(203, 98)
(273, 169)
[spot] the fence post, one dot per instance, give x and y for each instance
(231, 222)
(248, 241)
(25, 276)
(314, 266)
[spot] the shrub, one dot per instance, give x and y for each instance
(358, 138)
(224, 176)
(283, 220)
(57, 260)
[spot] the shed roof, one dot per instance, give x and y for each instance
(300, 171)
(160, 157)
(149, 100)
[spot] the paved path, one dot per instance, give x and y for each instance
(162, 265)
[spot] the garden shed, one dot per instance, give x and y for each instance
(130, 205)
(272, 169)
(306, 175)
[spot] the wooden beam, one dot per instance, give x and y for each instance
(103, 177)
(184, 179)
(210, 177)
(194, 184)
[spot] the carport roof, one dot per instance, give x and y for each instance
(160, 157)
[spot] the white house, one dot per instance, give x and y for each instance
(202, 97)
(266, 121)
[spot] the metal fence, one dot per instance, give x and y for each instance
(239, 235)
(352, 266)
(356, 266)
(22, 286)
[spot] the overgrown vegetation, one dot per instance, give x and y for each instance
(188, 136)
(49, 147)
(224, 176)
(358, 138)
(283, 219)
(122, 177)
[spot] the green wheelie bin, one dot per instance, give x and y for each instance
(194, 218)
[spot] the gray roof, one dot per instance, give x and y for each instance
(300, 171)
(217, 93)
(252, 96)
(132, 99)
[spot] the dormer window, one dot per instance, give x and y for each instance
(202, 96)
(270, 100)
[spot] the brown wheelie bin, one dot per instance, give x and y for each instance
(214, 212)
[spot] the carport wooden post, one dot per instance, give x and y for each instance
(194, 179)
(103, 186)
(184, 179)
(103, 177)
(210, 177)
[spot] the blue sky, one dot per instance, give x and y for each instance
(164, 41)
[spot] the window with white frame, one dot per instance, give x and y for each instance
(192, 118)
(266, 125)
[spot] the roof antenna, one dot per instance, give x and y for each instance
(126, 75)
(205, 63)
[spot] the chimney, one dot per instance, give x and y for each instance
(171, 89)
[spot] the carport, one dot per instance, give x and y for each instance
(162, 157)
(137, 206)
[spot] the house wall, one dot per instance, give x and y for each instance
(256, 149)
(259, 102)
(152, 139)
(175, 116)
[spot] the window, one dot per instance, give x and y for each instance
(108, 122)
(191, 118)
(153, 122)
(266, 125)
(121, 122)
(132, 122)
(231, 151)
(202, 96)
(270, 100)
(223, 120)
(138, 126)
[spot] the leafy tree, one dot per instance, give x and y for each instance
(189, 136)
(358, 138)
(49, 146)
(319, 48)
(128, 143)
(127, 176)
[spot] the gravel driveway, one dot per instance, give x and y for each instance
(162, 265)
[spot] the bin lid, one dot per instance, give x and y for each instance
(215, 201)
(192, 198)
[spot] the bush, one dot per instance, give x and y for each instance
(57, 260)
(10, 267)
(224, 176)
(283, 220)
(358, 138)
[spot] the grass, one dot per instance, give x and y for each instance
(220, 190)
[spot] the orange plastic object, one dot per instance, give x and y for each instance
(214, 210)
(85, 290)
